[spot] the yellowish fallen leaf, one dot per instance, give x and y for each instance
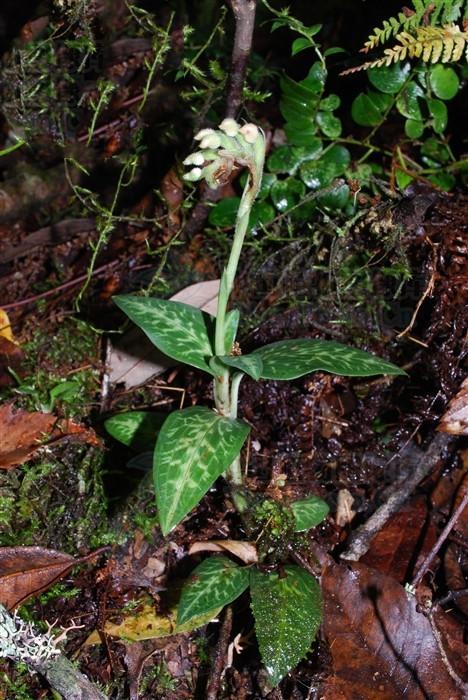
(245, 551)
(5, 327)
(149, 624)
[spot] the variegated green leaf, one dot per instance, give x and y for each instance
(250, 364)
(194, 447)
(179, 330)
(214, 583)
(136, 429)
(230, 329)
(288, 610)
(289, 359)
(309, 512)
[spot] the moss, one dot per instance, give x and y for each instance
(56, 502)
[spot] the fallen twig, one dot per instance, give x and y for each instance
(214, 681)
(424, 463)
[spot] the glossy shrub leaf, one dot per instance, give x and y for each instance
(310, 152)
(414, 128)
(329, 124)
(299, 45)
(320, 173)
(288, 611)
(179, 330)
(402, 178)
(250, 364)
(309, 512)
(389, 79)
(336, 199)
(284, 159)
(409, 102)
(434, 152)
(368, 108)
(439, 113)
(194, 447)
(316, 78)
(262, 214)
(224, 212)
(214, 583)
(444, 82)
(267, 181)
(330, 103)
(301, 136)
(445, 181)
(289, 359)
(136, 429)
(303, 92)
(286, 193)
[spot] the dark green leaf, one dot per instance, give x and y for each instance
(250, 364)
(316, 78)
(288, 611)
(224, 212)
(136, 429)
(439, 113)
(289, 359)
(333, 50)
(389, 79)
(402, 178)
(409, 102)
(284, 159)
(446, 181)
(414, 128)
(286, 193)
(329, 124)
(216, 582)
(179, 330)
(320, 173)
(297, 115)
(444, 82)
(262, 214)
(301, 136)
(368, 108)
(301, 92)
(330, 103)
(194, 447)
(435, 150)
(299, 45)
(309, 512)
(338, 198)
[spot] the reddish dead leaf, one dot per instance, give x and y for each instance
(452, 640)
(22, 433)
(455, 418)
(245, 551)
(27, 571)
(382, 647)
(401, 540)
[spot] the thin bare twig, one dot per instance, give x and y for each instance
(244, 15)
(443, 536)
(214, 681)
(424, 463)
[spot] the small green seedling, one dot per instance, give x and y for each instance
(197, 445)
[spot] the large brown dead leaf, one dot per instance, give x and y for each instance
(382, 647)
(455, 418)
(27, 571)
(22, 433)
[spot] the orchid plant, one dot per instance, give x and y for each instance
(197, 445)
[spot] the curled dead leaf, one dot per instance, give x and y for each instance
(455, 418)
(22, 433)
(27, 571)
(245, 551)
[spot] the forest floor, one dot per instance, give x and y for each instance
(387, 453)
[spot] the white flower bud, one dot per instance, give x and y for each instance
(204, 132)
(229, 126)
(194, 175)
(211, 140)
(249, 132)
(195, 159)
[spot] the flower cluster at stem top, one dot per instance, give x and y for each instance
(225, 149)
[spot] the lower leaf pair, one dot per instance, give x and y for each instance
(287, 607)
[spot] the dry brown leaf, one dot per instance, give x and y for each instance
(11, 357)
(22, 433)
(27, 571)
(455, 418)
(5, 327)
(382, 648)
(344, 508)
(245, 551)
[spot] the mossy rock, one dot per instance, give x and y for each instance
(55, 501)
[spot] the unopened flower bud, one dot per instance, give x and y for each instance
(204, 132)
(195, 159)
(229, 126)
(211, 140)
(249, 132)
(194, 175)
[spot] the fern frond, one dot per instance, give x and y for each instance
(403, 22)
